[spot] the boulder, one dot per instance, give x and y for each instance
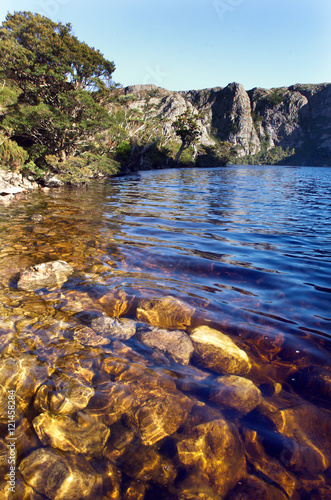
(65, 395)
(47, 274)
(86, 336)
(175, 343)
(165, 312)
(59, 477)
(214, 450)
(23, 376)
(83, 435)
(253, 487)
(122, 329)
(116, 304)
(147, 464)
(269, 467)
(236, 393)
(217, 352)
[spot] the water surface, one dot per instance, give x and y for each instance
(248, 248)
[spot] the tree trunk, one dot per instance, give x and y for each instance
(181, 149)
(63, 156)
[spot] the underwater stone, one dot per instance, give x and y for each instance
(64, 395)
(253, 487)
(116, 304)
(22, 375)
(59, 477)
(86, 336)
(237, 393)
(47, 274)
(147, 464)
(217, 352)
(214, 450)
(81, 436)
(165, 312)
(175, 343)
(268, 466)
(122, 329)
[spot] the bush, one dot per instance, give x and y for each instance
(12, 156)
(83, 168)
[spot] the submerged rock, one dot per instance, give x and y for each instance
(147, 464)
(253, 487)
(59, 477)
(22, 376)
(86, 336)
(150, 402)
(47, 274)
(116, 304)
(214, 450)
(269, 467)
(64, 395)
(175, 343)
(236, 393)
(217, 352)
(122, 329)
(80, 436)
(165, 312)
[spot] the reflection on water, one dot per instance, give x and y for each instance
(188, 355)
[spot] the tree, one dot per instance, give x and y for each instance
(60, 81)
(187, 129)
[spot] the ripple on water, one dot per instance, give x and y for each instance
(195, 327)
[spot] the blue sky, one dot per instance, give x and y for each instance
(194, 44)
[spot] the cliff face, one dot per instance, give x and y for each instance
(296, 117)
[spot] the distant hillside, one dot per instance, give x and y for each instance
(289, 125)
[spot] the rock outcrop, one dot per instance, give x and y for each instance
(256, 120)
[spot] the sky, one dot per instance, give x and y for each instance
(195, 44)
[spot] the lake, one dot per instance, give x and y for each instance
(117, 374)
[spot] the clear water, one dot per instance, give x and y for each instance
(248, 247)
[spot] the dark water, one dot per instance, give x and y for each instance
(249, 248)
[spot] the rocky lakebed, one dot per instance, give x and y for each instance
(121, 396)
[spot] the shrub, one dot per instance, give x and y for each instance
(12, 156)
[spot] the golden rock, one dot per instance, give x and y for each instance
(122, 329)
(214, 450)
(252, 487)
(147, 464)
(64, 396)
(236, 393)
(22, 375)
(47, 274)
(86, 336)
(217, 352)
(80, 436)
(165, 312)
(267, 465)
(135, 491)
(116, 304)
(59, 477)
(175, 343)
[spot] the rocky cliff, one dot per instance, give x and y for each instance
(254, 122)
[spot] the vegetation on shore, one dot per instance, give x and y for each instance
(61, 113)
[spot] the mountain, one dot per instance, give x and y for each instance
(289, 125)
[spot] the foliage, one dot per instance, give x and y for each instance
(61, 82)
(81, 169)
(272, 156)
(275, 98)
(186, 127)
(12, 156)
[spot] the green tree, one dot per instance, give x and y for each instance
(187, 129)
(61, 82)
